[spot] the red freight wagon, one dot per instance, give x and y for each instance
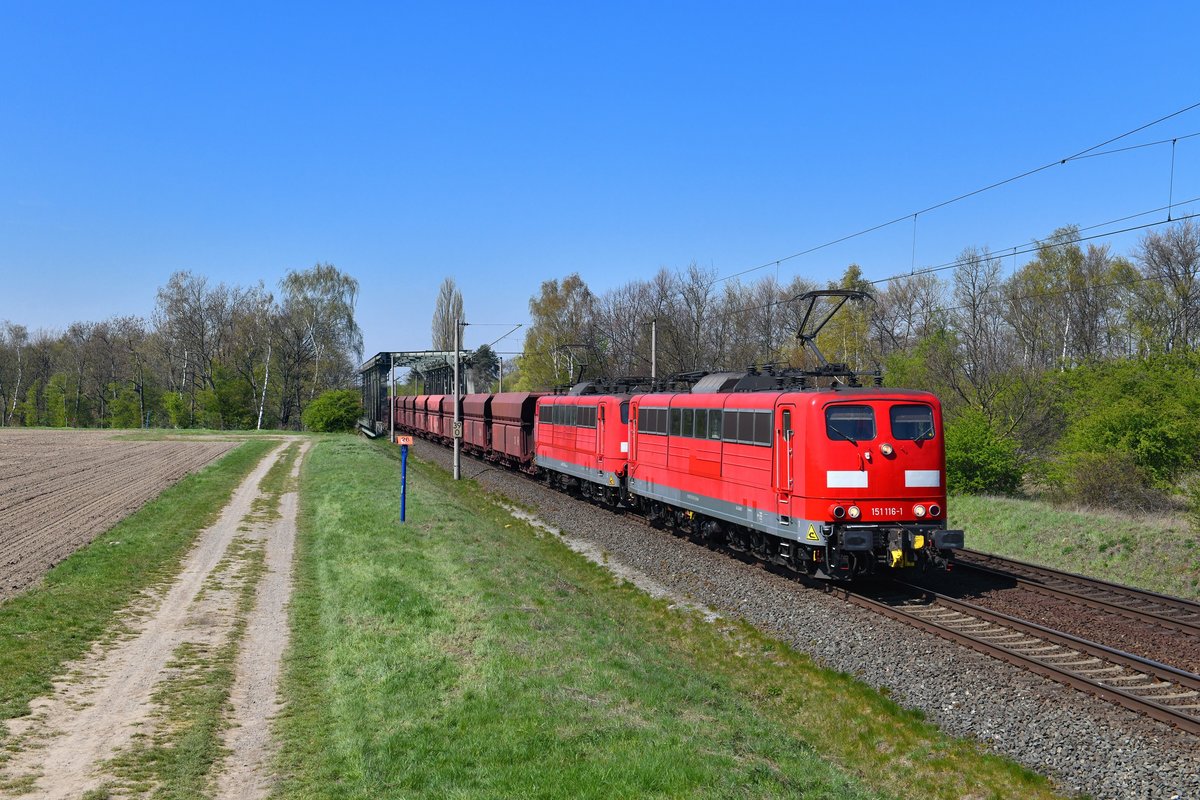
(433, 415)
(408, 411)
(477, 423)
(403, 408)
(512, 428)
(420, 423)
(447, 417)
(428, 414)
(585, 440)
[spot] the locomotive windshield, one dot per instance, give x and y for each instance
(852, 423)
(912, 422)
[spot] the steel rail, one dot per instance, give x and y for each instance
(1186, 625)
(1177, 613)
(1126, 680)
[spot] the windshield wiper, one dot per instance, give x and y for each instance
(845, 436)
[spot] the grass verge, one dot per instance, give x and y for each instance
(77, 602)
(464, 654)
(1159, 553)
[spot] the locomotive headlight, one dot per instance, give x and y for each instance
(838, 512)
(919, 510)
(886, 449)
(854, 512)
(934, 510)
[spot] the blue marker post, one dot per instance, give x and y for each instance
(404, 442)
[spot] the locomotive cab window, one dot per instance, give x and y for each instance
(912, 422)
(850, 423)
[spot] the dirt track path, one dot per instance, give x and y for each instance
(255, 690)
(120, 696)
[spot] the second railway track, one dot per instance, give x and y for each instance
(1169, 612)
(1160, 691)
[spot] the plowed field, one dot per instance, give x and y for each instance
(61, 489)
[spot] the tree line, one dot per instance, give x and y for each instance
(1074, 373)
(212, 356)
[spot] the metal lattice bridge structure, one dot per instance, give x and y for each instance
(434, 368)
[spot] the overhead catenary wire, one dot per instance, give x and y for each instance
(1033, 248)
(1088, 152)
(1093, 151)
(1038, 245)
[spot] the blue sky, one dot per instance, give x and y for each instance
(507, 144)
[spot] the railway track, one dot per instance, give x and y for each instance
(1157, 690)
(1169, 612)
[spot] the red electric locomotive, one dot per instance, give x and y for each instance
(833, 482)
(583, 443)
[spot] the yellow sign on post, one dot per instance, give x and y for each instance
(404, 440)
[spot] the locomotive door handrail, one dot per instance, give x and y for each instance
(600, 431)
(632, 432)
(784, 452)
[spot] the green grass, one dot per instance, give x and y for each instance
(77, 602)
(463, 654)
(1159, 553)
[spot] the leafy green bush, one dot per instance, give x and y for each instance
(1158, 434)
(177, 409)
(332, 411)
(978, 459)
(1131, 431)
(124, 408)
